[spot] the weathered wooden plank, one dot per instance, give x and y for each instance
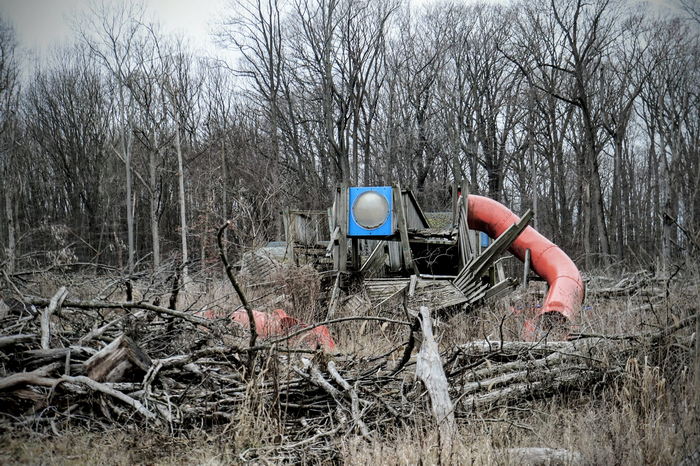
(331, 243)
(500, 273)
(433, 236)
(439, 294)
(444, 233)
(335, 296)
(466, 249)
(500, 288)
(412, 285)
(375, 261)
(355, 304)
(395, 258)
(355, 252)
(415, 218)
(403, 231)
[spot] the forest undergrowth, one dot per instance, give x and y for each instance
(644, 412)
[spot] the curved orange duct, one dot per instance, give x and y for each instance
(277, 324)
(566, 289)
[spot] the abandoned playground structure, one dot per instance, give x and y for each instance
(71, 360)
(382, 243)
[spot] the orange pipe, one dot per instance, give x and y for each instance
(566, 289)
(275, 324)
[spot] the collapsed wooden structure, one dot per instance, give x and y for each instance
(445, 266)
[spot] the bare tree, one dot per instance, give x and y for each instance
(113, 33)
(670, 104)
(692, 8)
(149, 122)
(417, 59)
(66, 113)
(496, 84)
(183, 87)
(9, 87)
(254, 28)
(578, 35)
(623, 76)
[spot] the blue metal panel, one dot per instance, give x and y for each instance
(484, 239)
(357, 230)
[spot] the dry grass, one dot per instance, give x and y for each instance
(646, 415)
(631, 422)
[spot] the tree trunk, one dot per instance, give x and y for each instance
(590, 151)
(586, 210)
(126, 152)
(11, 251)
(599, 211)
(665, 204)
(355, 142)
(153, 200)
(616, 210)
(533, 168)
(183, 217)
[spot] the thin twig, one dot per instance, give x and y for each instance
(239, 291)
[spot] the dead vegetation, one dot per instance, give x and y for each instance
(621, 390)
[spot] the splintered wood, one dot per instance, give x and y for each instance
(118, 361)
(430, 371)
(469, 279)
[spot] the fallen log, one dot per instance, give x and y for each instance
(35, 377)
(430, 371)
(100, 387)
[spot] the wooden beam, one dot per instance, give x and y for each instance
(403, 231)
(335, 297)
(342, 219)
(526, 268)
(429, 369)
(408, 196)
(466, 248)
(355, 253)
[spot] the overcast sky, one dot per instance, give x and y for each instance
(41, 25)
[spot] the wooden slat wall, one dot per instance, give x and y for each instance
(415, 219)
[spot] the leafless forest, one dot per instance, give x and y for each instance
(122, 156)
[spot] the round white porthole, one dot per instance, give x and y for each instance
(370, 210)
